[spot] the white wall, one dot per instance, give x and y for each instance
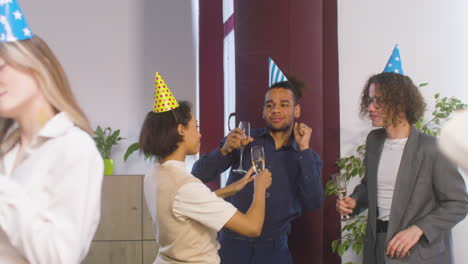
(110, 50)
(433, 47)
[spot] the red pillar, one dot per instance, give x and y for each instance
(331, 123)
(211, 93)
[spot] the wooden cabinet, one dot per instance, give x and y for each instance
(115, 252)
(125, 233)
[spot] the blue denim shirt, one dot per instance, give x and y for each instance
(296, 174)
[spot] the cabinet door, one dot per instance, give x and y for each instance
(150, 251)
(115, 252)
(148, 230)
(121, 209)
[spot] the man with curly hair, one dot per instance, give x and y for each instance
(413, 193)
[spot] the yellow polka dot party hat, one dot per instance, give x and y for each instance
(163, 99)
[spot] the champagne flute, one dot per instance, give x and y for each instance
(258, 161)
(245, 127)
(339, 180)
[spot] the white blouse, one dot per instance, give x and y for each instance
(50, 204)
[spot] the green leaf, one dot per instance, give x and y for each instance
(348, 167)
(99, 133)
(358, 248)
(361, 171)
(437, 95)
(341, 250)
(149, 157)
(335, 245)
(329, 188)
(355, 247)
(423, 84)
(132, 148)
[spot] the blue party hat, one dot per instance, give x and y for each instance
(276, 75)
(13, 25)
(394, 62)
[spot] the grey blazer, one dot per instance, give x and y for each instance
(429, 192)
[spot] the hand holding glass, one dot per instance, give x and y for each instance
(258, 161)
(245, 127)
(339, 180)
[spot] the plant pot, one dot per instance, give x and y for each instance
(108, 166)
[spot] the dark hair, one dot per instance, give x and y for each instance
(293, 84)
(159, 136)
(399, 95)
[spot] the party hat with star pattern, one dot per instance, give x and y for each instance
(13, 25)
(394, 62)
(163, 99)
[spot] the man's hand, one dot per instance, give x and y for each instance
(302, 135)
(403, 241)
(345, 206)
(235, 140)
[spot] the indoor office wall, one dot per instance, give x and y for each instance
(111, 49)
(433, 46)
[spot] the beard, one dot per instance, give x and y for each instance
(279, 129)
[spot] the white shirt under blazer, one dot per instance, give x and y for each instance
(49, 204)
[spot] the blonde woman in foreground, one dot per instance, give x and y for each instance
(50, 169)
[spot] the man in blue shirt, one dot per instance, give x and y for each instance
(296, 172)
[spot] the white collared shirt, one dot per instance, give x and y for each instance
(50, 203)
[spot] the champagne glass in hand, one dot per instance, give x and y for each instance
(258, 161)
(339, 180)
(245, 127)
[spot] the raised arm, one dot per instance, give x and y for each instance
(196, 201)
(310, 166)
(236, 186)
(211, 165)
(251, 223)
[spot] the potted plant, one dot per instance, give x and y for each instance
(105, 139)
(352, 233)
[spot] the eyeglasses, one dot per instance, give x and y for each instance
(376, 101)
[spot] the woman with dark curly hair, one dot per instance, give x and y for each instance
(413, 193)
(186, 214)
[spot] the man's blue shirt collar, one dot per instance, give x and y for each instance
(292, 142)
